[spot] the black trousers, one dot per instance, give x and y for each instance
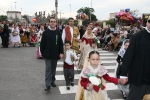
(5, 41)
(69, 75)
(137, 93)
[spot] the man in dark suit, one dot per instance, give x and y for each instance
(5, 35)
(51, 49)
(136, 64)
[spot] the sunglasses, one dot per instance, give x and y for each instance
(52, 21)
(148, 21)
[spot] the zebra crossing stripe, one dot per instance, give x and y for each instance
(76, 76)
(116, 99)
(102, 51)
(75, 68)
(105, 58)
(108, 62)
(106, 54)
(63, 90)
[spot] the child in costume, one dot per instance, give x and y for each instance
(123, 88)
(69, 57)
(93, 78)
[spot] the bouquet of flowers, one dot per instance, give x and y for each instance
(15, 33)
(95, 80)
(38, 44)
(97, 42)
(82, 16)
(128, 16)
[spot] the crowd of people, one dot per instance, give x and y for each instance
(72, 43)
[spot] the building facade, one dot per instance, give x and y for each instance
(13, 15)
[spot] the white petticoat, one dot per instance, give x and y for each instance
(14, 39)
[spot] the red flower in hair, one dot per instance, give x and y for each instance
(97, 24)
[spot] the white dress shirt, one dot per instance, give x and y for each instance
(68, 57)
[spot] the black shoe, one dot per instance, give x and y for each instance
(68, 88)
(53, 84)
(124, 96)
(72, 84)
(48, 88)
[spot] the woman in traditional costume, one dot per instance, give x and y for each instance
(15, 36)
(33, 37)
(86, 45)
(39, 35)
(23, 36)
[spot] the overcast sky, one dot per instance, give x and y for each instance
(102, 7)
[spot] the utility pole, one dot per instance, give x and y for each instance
(90, 11)
(70, 10)
(60, 14)
(21, 14)
(15, 5)
(56, 5)
(15, 13)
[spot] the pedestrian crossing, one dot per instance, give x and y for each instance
(108, 59)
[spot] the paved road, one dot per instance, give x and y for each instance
(22, 76)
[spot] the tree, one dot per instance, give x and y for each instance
(65, 22)
(101, 24)
(26, 17)
(15, 20)
(88, 11)
(3, 17)
(111, 22)
(75, 22)
(93, 17)
(85, 23)
(53, 13)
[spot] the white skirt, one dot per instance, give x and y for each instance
(14, 39)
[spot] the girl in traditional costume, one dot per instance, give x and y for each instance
(86, 45)
(93, 79)
(39, 36)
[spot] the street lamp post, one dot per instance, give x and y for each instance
(56, 5)
(60, 14)
(90, 11)
(15, 5)
(21, 14)
(70, 9)
(15, 13)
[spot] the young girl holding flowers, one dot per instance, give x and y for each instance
(93, 78)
